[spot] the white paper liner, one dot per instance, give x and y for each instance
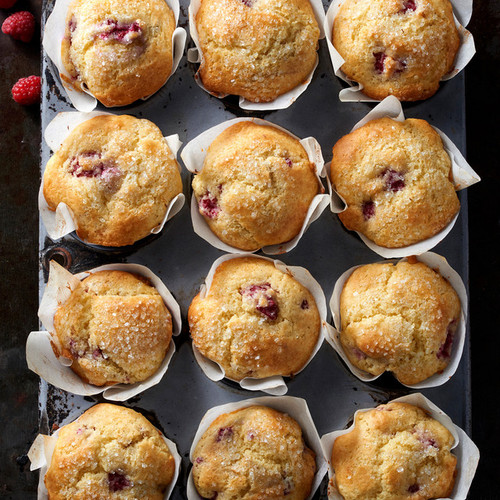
(61, 222)
(53, 35)
(463, 176)
(40, 355)
(436, 262)
(42, 449)
(283, 101)
(193, 155)
(461, 8)
(295, 407)
(275, 385)
(464, 448)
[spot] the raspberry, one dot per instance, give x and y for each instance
(394, 181)
(117, 481)
(224, 433)
(20, 26)
(7, 4)
(27, 90)
(368, 209)
(408, 5)
(209, 206)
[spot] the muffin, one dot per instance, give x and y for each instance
(256, 186)
(400, 318)
(118, 51)
(253, 453)
(117, 175)
(257, 49)
(109, 452)
(115, 328)
(255, 321)
(396, 180)
(401, 48)
(395, 451)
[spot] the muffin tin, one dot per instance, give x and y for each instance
(182, 259)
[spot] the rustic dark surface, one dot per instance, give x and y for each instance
(19, 153)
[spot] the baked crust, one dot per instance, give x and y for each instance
(394, 452)
(119, 51)
(109, 452)
(400, 47)
(115, 328)
(117, 175)
(253, 453)
(255, 320)
(256, 186)
(257, 49)
(400, 318)
(396, 180)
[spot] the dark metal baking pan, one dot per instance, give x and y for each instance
(182, 259)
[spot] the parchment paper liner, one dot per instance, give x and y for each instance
(193, 155)
(354, 93)
(295, 407)
(42, 449)
(436, 262)
(62, 221)
(40, 355)
(283, 101)
(463, 176)
(464, 449)
(53, 35)
(275, 385)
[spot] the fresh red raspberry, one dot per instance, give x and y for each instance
(27, 90)
(7, 4)
(20, 26)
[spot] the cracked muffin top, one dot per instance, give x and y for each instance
(109, 452)
(253, 453)
(394, 452)
(255, 186)
(117, 175)
(115, 328)
(400, 318)
(257, 49)
(118, 50)
(396, 180)
(396, 47)
(255, 321)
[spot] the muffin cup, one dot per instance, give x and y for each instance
(61, 222)
(195, 55)
(464, 448)
(434, 261)
(463, 176)
(275, 385)
(193, 155)
(354, 93)
(40, 355)
(295, 407)
(53, 34)
(42, 449)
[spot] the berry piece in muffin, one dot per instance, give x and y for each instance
(255, 321)
(396, 180)
(115, 328)
(254, 452)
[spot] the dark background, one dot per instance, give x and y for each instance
(19, 261)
